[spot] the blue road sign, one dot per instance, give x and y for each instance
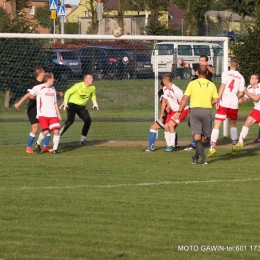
(61, 11)
(53, 5)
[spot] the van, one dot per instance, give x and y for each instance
(170, 52)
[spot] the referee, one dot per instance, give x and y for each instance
(75, 100)
(202, 93)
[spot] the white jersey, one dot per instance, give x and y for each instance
(234, 82)
(254, 91)
(173, 96)
(46, 99)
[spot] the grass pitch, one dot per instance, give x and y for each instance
(103, 202)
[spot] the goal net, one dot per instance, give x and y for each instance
(126, 71)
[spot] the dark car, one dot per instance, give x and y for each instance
(105, 62)
(66, 64)
(61, 73)
(142, 65)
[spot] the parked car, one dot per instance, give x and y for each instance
(61, 73)
(67, 63)
(142, 65)
(105, 61)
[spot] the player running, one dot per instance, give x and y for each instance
(172, 97)
(231, 89)
(251, 92)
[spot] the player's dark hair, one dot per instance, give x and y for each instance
(37, 71)
(204, 56)
(88, 74)
(47, 76)
(203, 70)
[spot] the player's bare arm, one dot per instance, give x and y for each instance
(26, 96)
(240, 94)
(211, 69)
(220, 93)
(163, 107)
(58, 111)
(215, 101)
(255, 98)
(184, 64)
(183, 103)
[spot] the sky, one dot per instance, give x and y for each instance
(73, 2)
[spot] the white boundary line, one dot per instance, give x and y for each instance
(128, 185)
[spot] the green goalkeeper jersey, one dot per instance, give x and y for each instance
(79, 94)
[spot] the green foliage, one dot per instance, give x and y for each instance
(42, 15)
(194, 16)
(71, 28)
(15, 73)
(219, 5)
(18, 24)
(5, 25)
(243, 7)
(247, 50)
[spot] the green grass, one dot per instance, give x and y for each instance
(118, 202)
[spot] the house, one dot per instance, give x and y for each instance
(134, 21)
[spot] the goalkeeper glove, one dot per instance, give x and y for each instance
(95, 105)
(64, 105)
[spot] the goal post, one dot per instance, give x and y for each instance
(126, 89)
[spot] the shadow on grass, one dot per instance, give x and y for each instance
(241, 153)
(67, 147)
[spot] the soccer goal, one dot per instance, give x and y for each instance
(126, 71)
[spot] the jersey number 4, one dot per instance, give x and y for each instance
(231, 85)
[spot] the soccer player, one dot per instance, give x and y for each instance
(202, 94)
(203, 60)
(158, 125)
(231, 89)
(172, 97)
(75, 100)
(251, 92)
(48, 112)
(32, 112)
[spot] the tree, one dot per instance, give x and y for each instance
(194, 16)
(91, 9)
(247, 48)
(243, 7)
(42, 15)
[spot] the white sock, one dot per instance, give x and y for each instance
(56, 140)
(172, 139)
(167, 138)
(40, 138)
(243, 134)
(233, 134)
(82, 138)
(214, 137)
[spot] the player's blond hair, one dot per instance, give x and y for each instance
(167, 77)
(47, 76)
(234, 62)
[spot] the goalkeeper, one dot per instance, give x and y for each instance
(75, 100)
